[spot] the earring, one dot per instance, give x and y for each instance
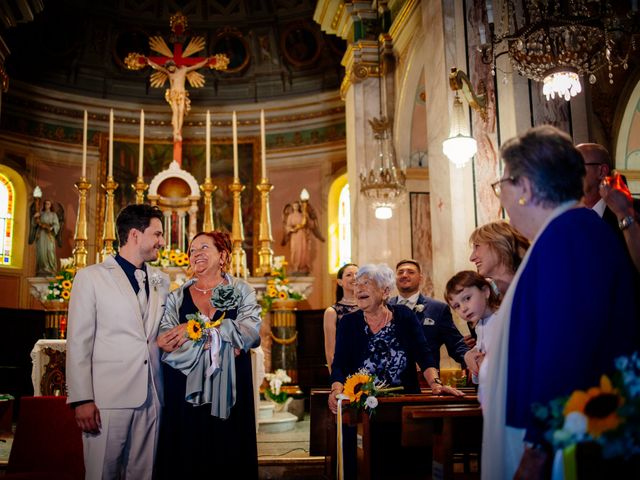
(522, 201)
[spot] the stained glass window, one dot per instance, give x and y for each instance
(7, 205)
(344, 226)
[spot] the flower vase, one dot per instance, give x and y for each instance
(281, 406)
(287, 304)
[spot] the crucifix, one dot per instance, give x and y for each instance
(177, 65)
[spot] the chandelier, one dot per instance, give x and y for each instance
(384, 183)
(460, 147)
(557, 42)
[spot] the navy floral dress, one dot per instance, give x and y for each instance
(387, 357)
(390, 354)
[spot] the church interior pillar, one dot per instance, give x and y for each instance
(452, 189)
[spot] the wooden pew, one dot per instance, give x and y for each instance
(453, 428)
(388, 443)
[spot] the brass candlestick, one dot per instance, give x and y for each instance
(140, 187)
(265, 239)
(238, 255)
(208, 188)
(109, 230)
(80, 237)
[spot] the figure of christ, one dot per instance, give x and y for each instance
(177, 96)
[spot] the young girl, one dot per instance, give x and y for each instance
(470, 295)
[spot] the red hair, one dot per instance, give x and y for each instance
(222, 242)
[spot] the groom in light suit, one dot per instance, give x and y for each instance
(434, 316)
(114, 379)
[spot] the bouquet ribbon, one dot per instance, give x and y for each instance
(340, 460)
(214, 352)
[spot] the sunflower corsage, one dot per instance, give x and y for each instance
(199, 327)
(607, 415)
(363, 388)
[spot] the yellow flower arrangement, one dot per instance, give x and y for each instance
(607, 415)
(171, 258)
(362, 389)
(600, 406)
(278, 286)
(355, 385)
(194, 330)
(59, 289)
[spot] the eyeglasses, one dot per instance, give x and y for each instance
(497, 186)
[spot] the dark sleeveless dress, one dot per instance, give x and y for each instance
(342, 309)
(194, 444)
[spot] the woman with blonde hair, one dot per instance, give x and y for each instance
(497, 251)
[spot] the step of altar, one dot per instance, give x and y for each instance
(265, 410)
(279, 422)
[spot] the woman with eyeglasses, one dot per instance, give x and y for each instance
(570, 310)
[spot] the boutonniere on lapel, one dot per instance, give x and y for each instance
(155, 280)
(419, 308)
(429, 321)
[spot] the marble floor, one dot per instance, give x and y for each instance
(286, 454)
(280, 455)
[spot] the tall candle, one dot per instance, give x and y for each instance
(110, 143)
(208, 149)
(489, 5)
(235, 146)
(141, 157)
(263, 145)
(84, 146)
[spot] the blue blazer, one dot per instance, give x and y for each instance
(437, 324)
(352, 340)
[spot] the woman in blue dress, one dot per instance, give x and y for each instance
(571, 309)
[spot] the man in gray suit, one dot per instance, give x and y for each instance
(434, 316)
(114, 379)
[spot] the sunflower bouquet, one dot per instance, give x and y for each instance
(168, 257)
(607, 415)
(363, 389)
(59, 289)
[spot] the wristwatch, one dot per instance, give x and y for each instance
(437, 381)
(626, 222)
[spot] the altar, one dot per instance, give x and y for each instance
(48, 371)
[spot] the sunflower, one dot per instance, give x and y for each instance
(194, 330)
(66, 284)
(273, 293)
(353, 387)
(65, 294)
(282, 295)
(599, 405)
(179, 262)
(185, 259)
(172, 256)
